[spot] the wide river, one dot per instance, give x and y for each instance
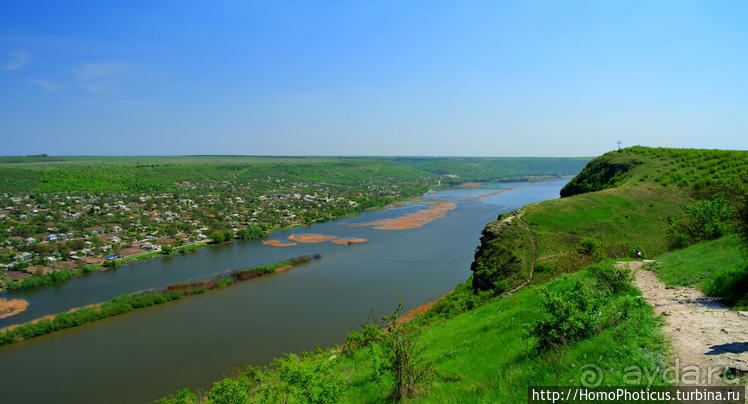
(149, 353)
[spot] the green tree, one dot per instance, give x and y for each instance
(216, 237)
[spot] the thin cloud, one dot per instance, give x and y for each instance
(45, 85)
(94, 71)
(19, 59)
(97, 77)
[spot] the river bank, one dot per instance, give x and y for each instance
(62, 275)
(11, 307)
(126, 303)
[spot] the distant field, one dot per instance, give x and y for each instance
(41, 162)
(136, 174)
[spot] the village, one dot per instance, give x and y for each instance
(49, 234)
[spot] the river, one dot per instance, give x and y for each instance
(149, 353)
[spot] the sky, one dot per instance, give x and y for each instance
(424, 78)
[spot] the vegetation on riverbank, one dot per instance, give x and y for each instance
(126, 303)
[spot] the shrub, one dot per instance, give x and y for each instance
(182, 397)
(731, 286)
(400, 357)
(591, 248)
(228, 391)
(570, 312)
(216, 237)
(615, 278)
(310, 380)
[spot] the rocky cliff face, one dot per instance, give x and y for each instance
(503, 256)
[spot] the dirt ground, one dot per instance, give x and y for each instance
(484, 196)
(412, 220)
(310, 238)
(277, 243)
(11, 307)
(707, 336)
(283, 268)
(412, 314)
(345, 241)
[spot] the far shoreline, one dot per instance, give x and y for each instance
(188, 248)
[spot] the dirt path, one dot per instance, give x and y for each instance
(706, 335)
(518, 216)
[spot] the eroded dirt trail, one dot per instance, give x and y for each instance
(706, 335)
(518, 215)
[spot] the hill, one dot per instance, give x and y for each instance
(139, 174)
(621, 201)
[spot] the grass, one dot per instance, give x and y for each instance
(624, 200)
(716, 267)
(485, 355)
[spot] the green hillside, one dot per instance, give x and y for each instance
(642, 196)
(718, 267)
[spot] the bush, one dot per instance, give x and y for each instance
(400, 357)
(310, 380)
(706, 220)
(613, 277)
(216, 237)
(571, 311)
(228, 391)
(182, 397)
(730, 286)
(591, 248)
(369, 334)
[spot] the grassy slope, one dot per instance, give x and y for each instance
(629, 210)
(484, 355)
(706, 266)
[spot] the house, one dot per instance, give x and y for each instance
(112, 239)
(149, 246)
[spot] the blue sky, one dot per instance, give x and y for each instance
(493, 78)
